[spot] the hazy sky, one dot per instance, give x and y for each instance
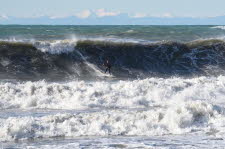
(84, 8)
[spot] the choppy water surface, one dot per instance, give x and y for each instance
(166, 89)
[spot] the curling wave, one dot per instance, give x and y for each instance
(83, 59)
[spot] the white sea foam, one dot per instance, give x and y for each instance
(146, 107)
(130, 31)
(56, 46)
(219, 27)
(190, 117)
(133, 94)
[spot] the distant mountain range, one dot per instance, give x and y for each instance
(121, 19)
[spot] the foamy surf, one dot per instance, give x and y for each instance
(180, 120)
(149, 107)
(80, 95)
(189, 118)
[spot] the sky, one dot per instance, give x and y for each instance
(135, 8)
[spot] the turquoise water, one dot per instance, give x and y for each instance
(150, 33)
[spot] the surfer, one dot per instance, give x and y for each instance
(108, 66)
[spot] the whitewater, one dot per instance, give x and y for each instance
(161, 94)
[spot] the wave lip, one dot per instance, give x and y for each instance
(219, 27)
(56, 47)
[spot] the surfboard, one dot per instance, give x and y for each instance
(109, 75)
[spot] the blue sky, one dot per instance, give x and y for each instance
(135, 8)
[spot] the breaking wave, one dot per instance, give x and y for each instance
(219, 27)
(140, 107)
(68, 59)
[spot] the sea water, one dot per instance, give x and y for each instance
(167, 88)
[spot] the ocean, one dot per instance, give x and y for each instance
(166, 90)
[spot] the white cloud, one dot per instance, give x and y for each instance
(103, 13)
(83, 14)
(142, 15)
(167, 15)
(5, 17)
(139, 15)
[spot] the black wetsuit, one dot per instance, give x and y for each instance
(108, 67)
